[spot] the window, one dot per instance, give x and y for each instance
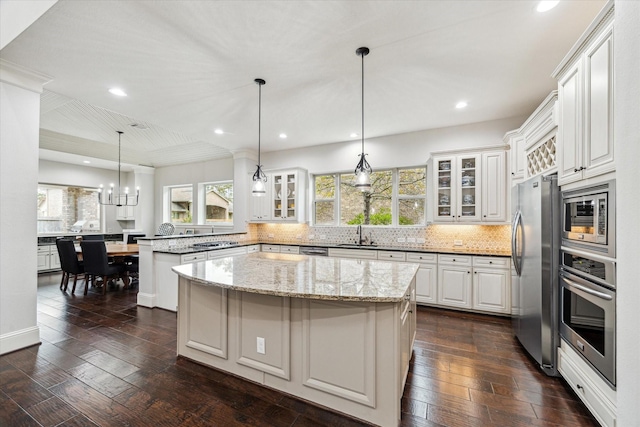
(217, 203)
(181, 204)
(397, 197)
(324, 199)
(63, 209)
(412, 191)
(374, 207)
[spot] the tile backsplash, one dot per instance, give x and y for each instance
(488, 238)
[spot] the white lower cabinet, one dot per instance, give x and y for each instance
(426, 278)
(48, 258)
(454, 281)
(491, 284)
(597, 396)
(474, 282)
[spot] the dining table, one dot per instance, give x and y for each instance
(116, 249)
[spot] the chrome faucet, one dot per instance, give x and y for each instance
(361, 239)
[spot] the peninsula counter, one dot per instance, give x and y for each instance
(337, 332)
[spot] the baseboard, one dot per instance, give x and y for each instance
(146, 300)
(19, 339)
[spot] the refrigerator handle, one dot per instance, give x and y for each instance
(517, 222)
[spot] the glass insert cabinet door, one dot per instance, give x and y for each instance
(284, 195)
(468, 195)
(445, 194)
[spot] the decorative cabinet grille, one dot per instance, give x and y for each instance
(542, 158)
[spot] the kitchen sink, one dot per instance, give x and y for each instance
(355, 245)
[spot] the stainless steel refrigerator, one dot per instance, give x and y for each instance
(535, 249)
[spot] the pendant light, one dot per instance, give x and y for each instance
(259, 188)
(363, 169)
(118, 198)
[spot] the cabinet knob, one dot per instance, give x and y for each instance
(485, 216)
(579, 387)
(490, 262)
(468, 272)
(454, 260)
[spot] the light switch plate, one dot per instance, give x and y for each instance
(401, 240)
(457, 243)
(260, 345)
(421, 240)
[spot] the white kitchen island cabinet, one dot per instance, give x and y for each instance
(334, 331)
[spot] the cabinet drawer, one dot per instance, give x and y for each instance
(253, 248)
(186, 259)
(221, 253)
(491, 262)
(392, 255)
(43, 249)
(427, 258)
(289, 249)
(353, 253)
(586, 390)
(447, 259)
(270, 248)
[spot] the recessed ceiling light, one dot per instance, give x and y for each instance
(218, 131)
(86, 161)
(117, 91)
(461, 104)
(283, 135)
(353, 135)
(546, 5)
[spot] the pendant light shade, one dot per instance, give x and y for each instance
(363, 169)
(259, 188)
(117, 197)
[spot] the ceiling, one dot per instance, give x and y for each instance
(188, 68)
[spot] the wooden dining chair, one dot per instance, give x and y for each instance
(96, 264)
(70, 264)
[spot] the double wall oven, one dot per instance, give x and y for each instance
(587, 277)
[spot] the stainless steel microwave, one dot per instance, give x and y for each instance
(588, 218)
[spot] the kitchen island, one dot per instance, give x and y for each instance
(337, 332)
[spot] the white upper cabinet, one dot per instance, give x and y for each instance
(285, 200)
(470, 187)
(494, 202)
(585, 95)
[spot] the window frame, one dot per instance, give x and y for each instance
(168, 217)
(395, 198)
(202, 204)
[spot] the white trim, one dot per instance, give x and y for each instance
(147, 300)
(22, 77)
(17, 340)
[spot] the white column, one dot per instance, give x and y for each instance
(627, 152)
(244, 164)
(145, 221)
(19, 132)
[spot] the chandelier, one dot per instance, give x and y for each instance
(117, 198)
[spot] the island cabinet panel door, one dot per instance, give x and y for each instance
(338, 349)
(205, 319)
(263, 333)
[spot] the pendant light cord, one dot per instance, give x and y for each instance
(119, 148)
(362, 93)
(259, 118)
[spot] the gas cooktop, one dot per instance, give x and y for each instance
(215, 244)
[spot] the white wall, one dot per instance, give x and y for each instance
(84, 176)
(19, 122)
(409, 149)
(627, 152)
(192, 173)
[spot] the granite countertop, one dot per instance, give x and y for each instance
(447, 250)
(300, 276)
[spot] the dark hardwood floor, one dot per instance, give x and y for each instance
(105, 361)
